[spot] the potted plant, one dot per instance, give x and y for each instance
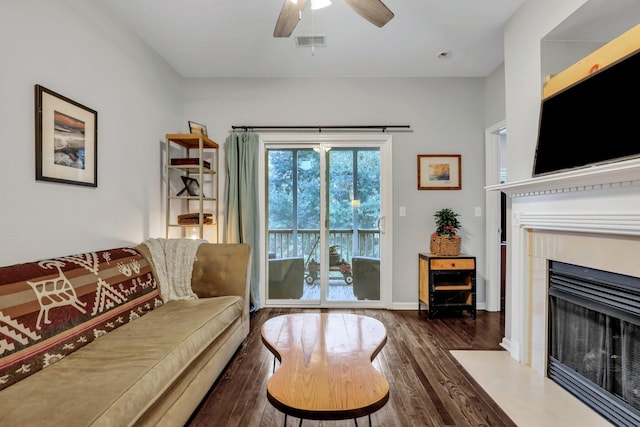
(445, 240)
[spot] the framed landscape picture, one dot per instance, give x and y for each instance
(66, 140)
(197, 128)
(439, 171)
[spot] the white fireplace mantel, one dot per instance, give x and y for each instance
(618, 174)
(627, 224)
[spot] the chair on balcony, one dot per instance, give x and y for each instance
(366, 277)
(286, 278)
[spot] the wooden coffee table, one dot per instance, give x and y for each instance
(325, 368)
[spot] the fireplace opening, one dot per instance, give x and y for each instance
(594, 339)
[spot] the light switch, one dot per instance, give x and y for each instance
(403, 211)
(478, 211)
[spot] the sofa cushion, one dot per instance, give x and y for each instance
(123, 373)
(51, 308)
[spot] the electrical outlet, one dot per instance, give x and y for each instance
(478, 211)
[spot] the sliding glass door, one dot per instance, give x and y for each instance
(323, 205)
(353, 235)
(293, 221)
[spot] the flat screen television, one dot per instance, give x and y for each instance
(595, 121)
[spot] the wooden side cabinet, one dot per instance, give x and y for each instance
(447, 284)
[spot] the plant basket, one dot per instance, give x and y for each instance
(442, 245)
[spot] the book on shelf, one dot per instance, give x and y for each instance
(194, 218)
(191, 161)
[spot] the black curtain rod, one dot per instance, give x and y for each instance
(382, 128)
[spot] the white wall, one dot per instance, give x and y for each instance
(446, 117)
(494, 97)
(523, 82)
(555, 56)
(81, 50)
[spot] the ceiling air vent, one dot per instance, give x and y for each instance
(311, 40)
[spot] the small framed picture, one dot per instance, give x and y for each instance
(439, 171)
(197, 128)
(66, 140)
(191, 186)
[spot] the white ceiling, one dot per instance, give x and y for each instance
(233, 38)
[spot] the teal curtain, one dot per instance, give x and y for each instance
(242, 209)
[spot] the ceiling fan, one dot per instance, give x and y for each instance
(373, 11)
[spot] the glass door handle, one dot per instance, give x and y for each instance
(381, 224)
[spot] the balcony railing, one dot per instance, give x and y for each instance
(306, 243)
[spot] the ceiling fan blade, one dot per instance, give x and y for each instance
(289, 17)
(373, 11)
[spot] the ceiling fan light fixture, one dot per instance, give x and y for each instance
(373, 11)
(319, 4)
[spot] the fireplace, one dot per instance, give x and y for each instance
(594, 332)
(586, 218)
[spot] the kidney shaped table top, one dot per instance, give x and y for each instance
(325, 370)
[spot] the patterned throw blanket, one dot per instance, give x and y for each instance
(53, 307)
(173, 259)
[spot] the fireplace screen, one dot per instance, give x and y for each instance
(594, 339)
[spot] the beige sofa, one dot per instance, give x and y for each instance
(154, 369)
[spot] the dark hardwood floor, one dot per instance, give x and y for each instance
(427, 385)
